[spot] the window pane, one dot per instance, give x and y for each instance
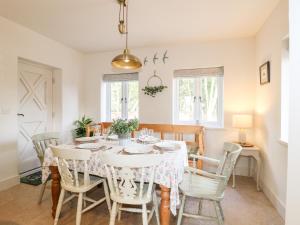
(133, 99)
(115, 102)
(209, 99)
(186, 95)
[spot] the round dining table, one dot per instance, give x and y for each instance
(168, 174)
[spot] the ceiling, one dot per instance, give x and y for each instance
(91, 25)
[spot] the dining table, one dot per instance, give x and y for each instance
(168, 174)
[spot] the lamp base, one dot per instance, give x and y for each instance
(244, 144)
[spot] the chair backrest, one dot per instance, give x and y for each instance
(43, 141)
(91, 129)
(227, 148)
(68, 162)
(179, 132)
(126, 172)
(232, 152)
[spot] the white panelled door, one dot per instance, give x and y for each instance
(35, 110)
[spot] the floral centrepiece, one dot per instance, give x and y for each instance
(123, 127)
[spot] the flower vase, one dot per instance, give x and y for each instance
(124, 139)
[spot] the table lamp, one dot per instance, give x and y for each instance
(242, 122)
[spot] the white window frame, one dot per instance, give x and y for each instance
(197, 112)
(124, 99)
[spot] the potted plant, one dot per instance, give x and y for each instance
(123, 129)
(81, 124)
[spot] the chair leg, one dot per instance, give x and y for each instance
(155, 202)
(79, 209)
(119, 212)
(42, 191)
(107, 197)
(59, 206)
(200, 207)
(84, 201)
(145, 217)
(233, 178)
(113, 214)
(219, 216)
(221, 210)
(181, 210)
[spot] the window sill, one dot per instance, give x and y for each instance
(284, 143)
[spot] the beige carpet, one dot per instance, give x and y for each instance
(242, 206)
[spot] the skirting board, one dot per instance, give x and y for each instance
(9, 182)
(277, 203)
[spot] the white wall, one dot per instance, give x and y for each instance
(267, 109)
(17, 41)
(293, 181)
(237, 56)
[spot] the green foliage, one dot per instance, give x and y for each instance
(153, 90)
(124, 127)
(81, 125)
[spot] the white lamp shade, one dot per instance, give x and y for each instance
(242, 121)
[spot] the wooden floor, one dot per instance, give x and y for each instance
(242, 206)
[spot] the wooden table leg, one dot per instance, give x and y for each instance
(165, 205)
(55, 188)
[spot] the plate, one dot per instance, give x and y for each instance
(138, 149)
(92, 146)
(148, 140)
(169, 146)
(88, 139)
(112, 137)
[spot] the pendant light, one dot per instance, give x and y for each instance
(125, 60)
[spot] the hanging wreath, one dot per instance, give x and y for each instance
(153, 90)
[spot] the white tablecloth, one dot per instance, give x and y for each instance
(169, 173)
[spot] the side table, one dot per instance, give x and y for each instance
(251, 152)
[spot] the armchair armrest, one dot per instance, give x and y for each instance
(211, 160)
(204, 173)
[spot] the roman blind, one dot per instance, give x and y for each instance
(120, 77)
(212, 71)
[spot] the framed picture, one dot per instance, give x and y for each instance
(264, 73)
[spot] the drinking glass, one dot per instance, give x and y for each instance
(151, 132)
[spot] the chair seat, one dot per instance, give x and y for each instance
(197, 186)
(94, 181)
(135, 200)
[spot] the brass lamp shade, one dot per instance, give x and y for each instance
(126, 61)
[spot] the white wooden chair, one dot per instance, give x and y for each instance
(75, 182)
(126, 187)
(209, 186)
(40, 143)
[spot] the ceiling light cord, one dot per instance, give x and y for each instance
(125, 60)
(126, 24)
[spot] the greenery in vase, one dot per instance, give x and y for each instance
(123, 127)
(81, 124)
(153, 90)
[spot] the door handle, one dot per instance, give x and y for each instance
(20, 114)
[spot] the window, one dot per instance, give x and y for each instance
(122, 96)
(285, 91)
(199, 97)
